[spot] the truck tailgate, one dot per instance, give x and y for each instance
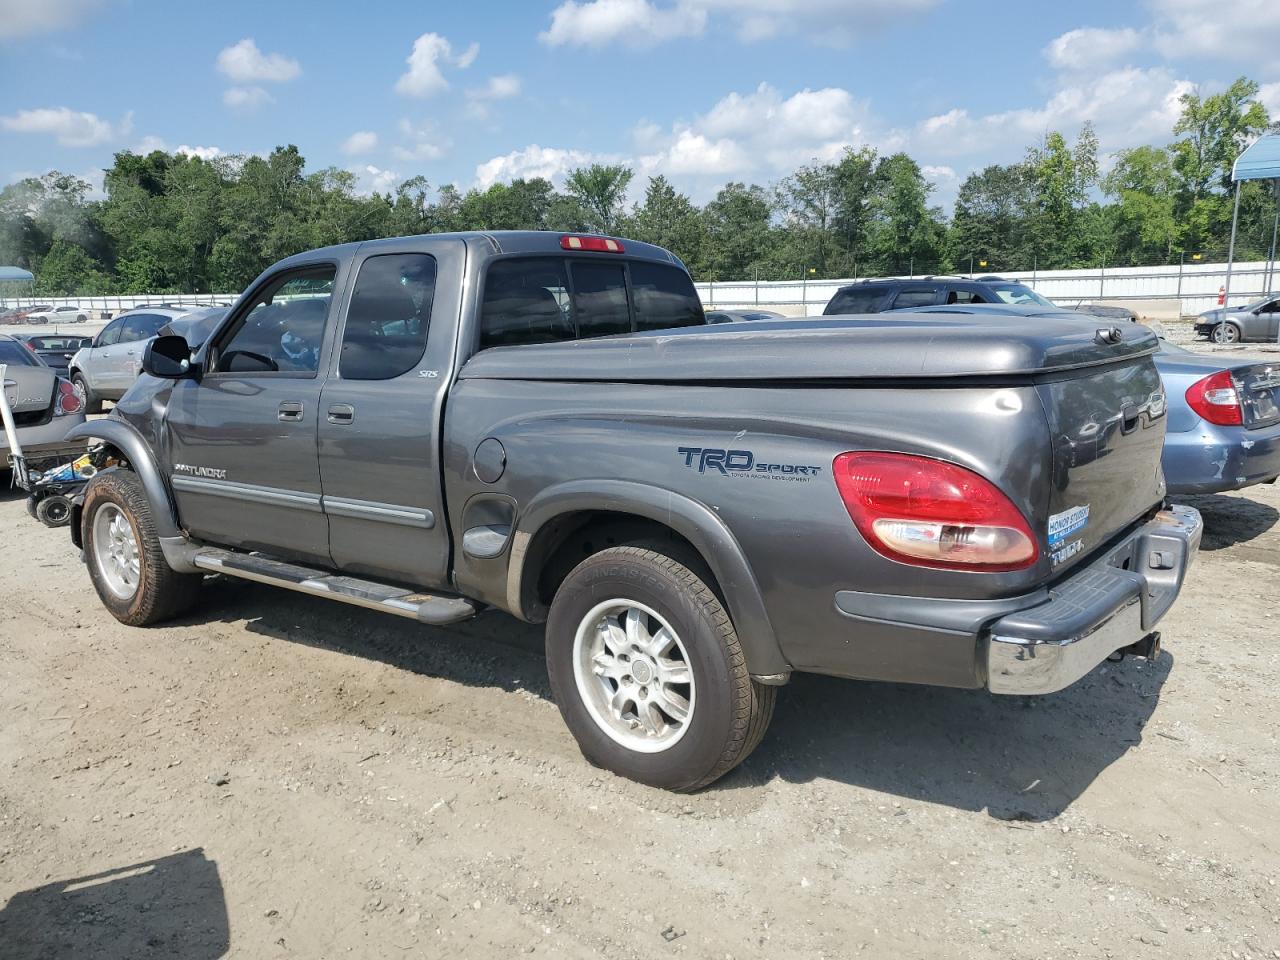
(1108, 426)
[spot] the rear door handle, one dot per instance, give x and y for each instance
(290, 412)
(342, 413)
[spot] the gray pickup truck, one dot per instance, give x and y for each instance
(545, 424)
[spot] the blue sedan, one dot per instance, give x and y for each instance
(1224, 417)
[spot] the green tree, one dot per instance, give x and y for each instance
(990, 221)
(905, 234)
(739, 232)
(1143, 222)
(809, 201)
(68, 270)
(669, 219)
(601, 189)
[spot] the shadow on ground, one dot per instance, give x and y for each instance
(1230, 520)
(1020, 758)
(169, 907)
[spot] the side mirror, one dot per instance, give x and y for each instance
(168, 358)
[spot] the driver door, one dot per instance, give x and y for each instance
(242, 437)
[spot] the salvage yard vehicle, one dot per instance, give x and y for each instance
(1256, 321)
(44, 405)
(56, 350)
(110, 364)
(1224, 416)
(59, 314)
(876, 296)
(545, 424)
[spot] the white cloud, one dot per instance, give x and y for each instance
(595, 23)
(204, 153)
(1089, 48)
(535, 161)
(694, 154)
(1235, 30)
(371, 179)
(71, 128)
(148, 144)
(421, 142)
(244, 64)
(21, 18)
(498, 88)
(362, 141)
(246, 98)
(937, 173)
(424, 76)
(1269, 97)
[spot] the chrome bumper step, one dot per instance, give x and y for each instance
(423, 607)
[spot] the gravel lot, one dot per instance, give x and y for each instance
(279, 776)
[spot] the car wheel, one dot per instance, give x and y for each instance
(1226, 333)
(92, 403)
(125, 561)
(648, 671)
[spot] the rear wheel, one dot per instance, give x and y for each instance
(53, 511)
(125, 561)
(648, 672)
(92, 404)
(1226, 333)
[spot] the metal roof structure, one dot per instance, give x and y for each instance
(1260, 160)
(16, 273)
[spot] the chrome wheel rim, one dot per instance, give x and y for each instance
(115, 551)
(1224, 333)
(633, 674)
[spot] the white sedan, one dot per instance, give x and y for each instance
(62, 314)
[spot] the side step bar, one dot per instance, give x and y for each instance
(423, 607)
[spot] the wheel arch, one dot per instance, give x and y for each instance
(631, 510)
(134, 450)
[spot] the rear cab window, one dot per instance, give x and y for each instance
(541, 299)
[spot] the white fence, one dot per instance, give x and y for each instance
(1185, 289)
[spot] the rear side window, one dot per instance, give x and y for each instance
(965, 296)
(664, 297)
(868, 300)
(140, 326)
(915, 297)
(386, 331)
(600, 299)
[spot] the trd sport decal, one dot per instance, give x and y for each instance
(743, 463)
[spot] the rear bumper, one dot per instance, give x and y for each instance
(46, 439)
(1212, 459)
(1110, 604)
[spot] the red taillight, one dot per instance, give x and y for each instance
(1216, 399)
(595, 244)
(933, 514)
(69, 399)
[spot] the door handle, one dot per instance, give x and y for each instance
(290, 412)
(341, 413)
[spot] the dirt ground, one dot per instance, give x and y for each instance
(280, 776)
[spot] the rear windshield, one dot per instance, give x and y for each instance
(864, 300)
(548, 299)
(17, 355)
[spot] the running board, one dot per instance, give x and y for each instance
(423, 607)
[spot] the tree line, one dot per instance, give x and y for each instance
(182, 224)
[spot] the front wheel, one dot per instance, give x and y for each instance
(1226, 333)
(126, 563)
(92, 404)
(649, 673)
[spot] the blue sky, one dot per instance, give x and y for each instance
(703, 91)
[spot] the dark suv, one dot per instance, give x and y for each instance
(876, 296)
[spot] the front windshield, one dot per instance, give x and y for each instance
(1018, 293)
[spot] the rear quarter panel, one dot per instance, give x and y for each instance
(790, 523)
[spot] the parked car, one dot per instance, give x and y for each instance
(413, 426)
(735, 316)
(59, 314)
(56, 350)
(875, 296)
(1224, 417)
(109, 365)
(19, 315)
(1255, 321)
(44, 405)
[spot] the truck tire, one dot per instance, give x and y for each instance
(123, 553)
(648, 672)
(92, 404)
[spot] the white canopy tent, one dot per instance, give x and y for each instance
(1259, 161)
